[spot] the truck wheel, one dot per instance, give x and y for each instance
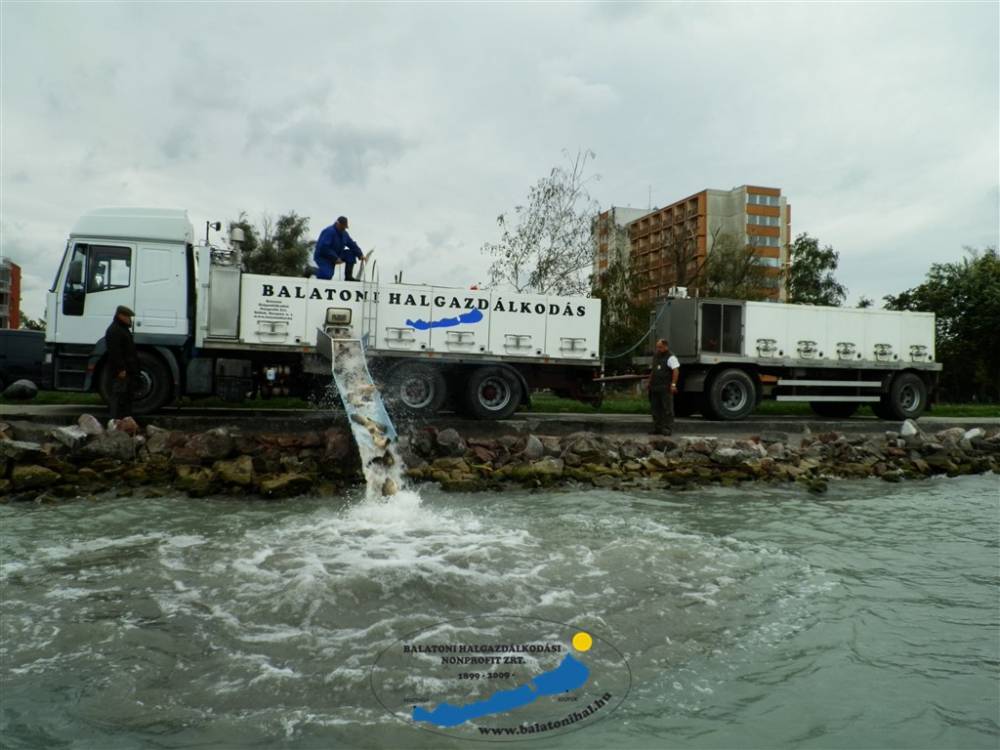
(416, 389)
(907, 396)
(493, 393)
(731, 396)
(153, 390)
(834, 409)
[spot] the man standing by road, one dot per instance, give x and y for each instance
(122, 361)
(662, 387)
(335, 246)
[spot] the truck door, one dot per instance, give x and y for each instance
(161, 289)
(98, 278)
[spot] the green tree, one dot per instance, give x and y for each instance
(864, 302)
(31, 324)
(965, 298)
(279, 248)
(624, 320)
(810, 277)
(734, 270)
(546, 246)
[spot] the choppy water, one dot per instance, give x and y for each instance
(762, 617)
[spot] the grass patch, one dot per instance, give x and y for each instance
(540, 403)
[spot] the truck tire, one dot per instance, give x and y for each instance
(907, 396)
(834, 409)
(493, 393)
(415, 389)
(154, 389)
(732, 395)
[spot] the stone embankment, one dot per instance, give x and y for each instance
(43, 463)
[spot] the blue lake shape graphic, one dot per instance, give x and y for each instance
(569, 675)
(473, 316)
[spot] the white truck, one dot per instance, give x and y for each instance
(203, 326)
(734, 353)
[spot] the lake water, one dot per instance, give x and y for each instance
(757, 617)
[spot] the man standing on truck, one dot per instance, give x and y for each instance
(662, 387)
(336, 246)
(122, 361)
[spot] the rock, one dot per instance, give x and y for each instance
(157, 441)
(730, 456)
(633, 449)
(909, 429)
(113, 444)
(769, 438)
(533, 448)
(656, 461)
(195, 480)
(450, 443)
(71, 436)
(30, 476)
(212, 445)
(950, 436)
(21, 390)
(975, 432)
(451, 465)
(548, 467)
(127, 425)
(705, 446)
(552, 444)
(89, 424)
(422, 442)
(31, 432)
(337, 445)
(285, 485)
(941, 463)
(238, 471)
(586, 446)
(481, 454)
(663, 443)
(21, 450)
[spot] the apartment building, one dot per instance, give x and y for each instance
(10, 294)
(668, 246)
(611, 233)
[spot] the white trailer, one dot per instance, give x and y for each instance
(204, 327)
(734, 353)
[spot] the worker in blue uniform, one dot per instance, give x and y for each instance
(335, 246)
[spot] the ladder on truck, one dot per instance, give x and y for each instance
(370, 423)
(369, 306)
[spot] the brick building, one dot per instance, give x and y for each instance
(10, 294)
(681, 235)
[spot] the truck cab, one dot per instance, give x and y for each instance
(142, 258)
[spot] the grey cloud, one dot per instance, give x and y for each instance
(180, 144)
(345, 153)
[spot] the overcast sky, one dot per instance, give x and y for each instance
(423, 122)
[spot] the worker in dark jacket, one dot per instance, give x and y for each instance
(663, 387)
(336, 246)
(123, 362)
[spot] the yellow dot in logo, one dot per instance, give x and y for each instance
(582, 641)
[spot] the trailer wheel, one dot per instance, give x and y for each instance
(154, 389)
(731, 396)
(416, 389)
(907, 396)
(493, 393)
(834, 409)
